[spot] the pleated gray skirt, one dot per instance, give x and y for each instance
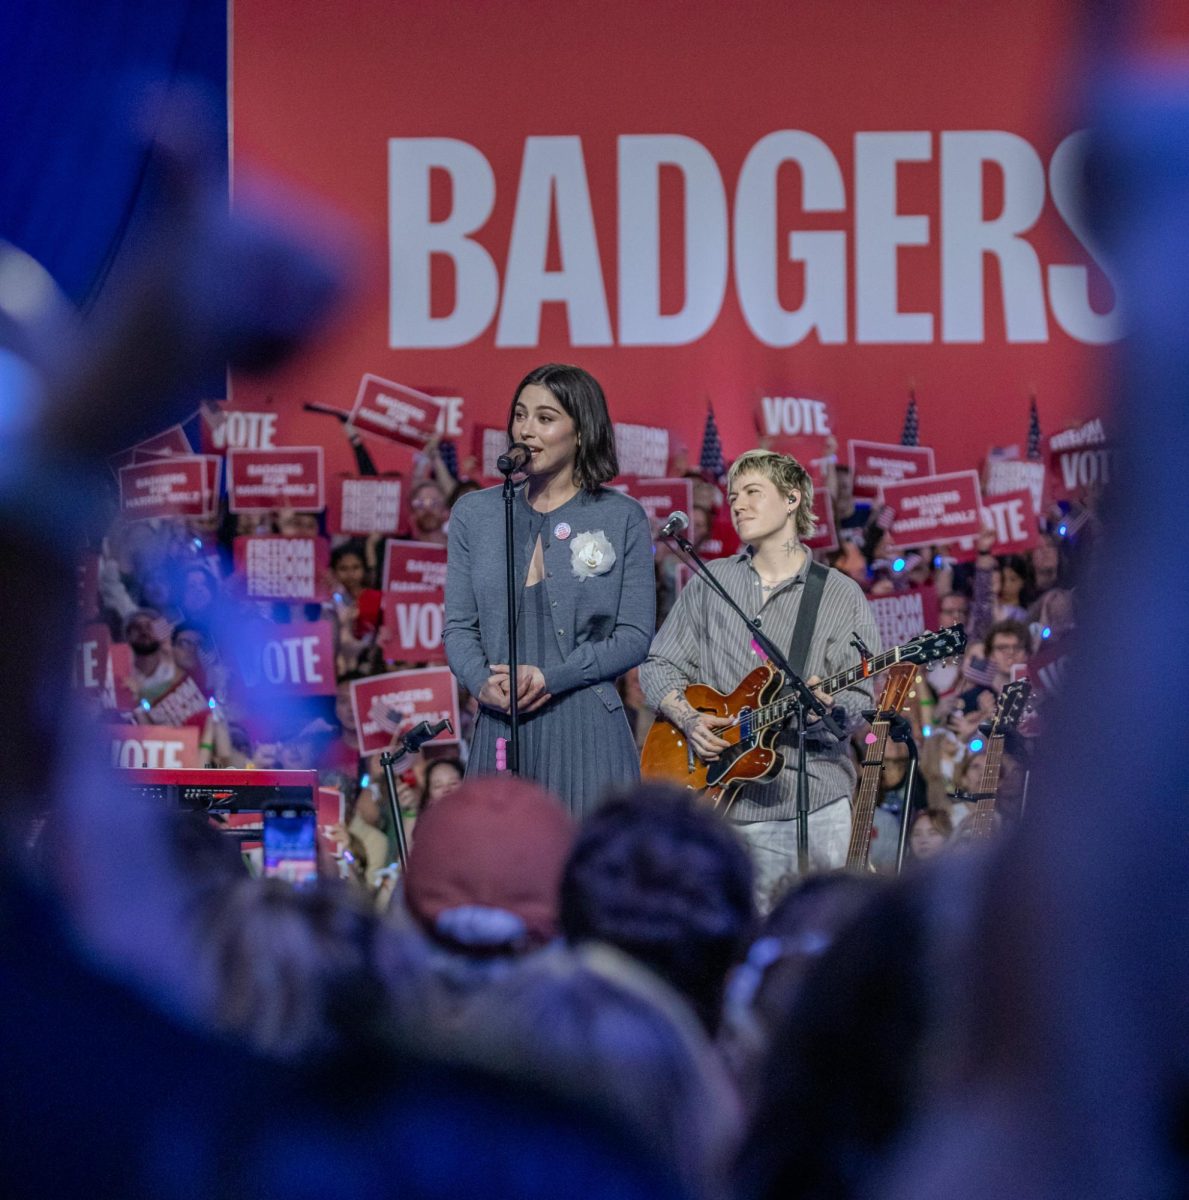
(575, 746)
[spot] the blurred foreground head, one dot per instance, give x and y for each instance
(667, 882)
(485, 870)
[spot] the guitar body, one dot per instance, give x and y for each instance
(668, 756)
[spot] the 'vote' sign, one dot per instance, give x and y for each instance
(298, 658)
(153, 746)
(414, 621)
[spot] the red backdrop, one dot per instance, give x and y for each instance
(318, 91)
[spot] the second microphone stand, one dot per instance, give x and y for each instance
(804, 700)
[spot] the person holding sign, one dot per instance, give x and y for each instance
(587, 596)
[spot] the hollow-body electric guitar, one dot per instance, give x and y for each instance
(758, 712)
(895, 692)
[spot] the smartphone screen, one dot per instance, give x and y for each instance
(291, 845)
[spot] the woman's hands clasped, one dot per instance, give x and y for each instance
(530, 695)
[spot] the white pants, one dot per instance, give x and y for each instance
(773, 849)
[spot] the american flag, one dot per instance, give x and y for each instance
(711, 461)
(448, 452)
(912, 430)
(1033, 431)
(885, 516)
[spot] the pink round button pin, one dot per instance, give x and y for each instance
(561, 531)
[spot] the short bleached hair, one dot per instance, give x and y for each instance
(787, 474)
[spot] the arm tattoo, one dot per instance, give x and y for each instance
(676, 708)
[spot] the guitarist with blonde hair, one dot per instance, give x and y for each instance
(773, 578)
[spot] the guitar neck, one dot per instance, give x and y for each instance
(863, 814)
(781, 710)
(988, 790)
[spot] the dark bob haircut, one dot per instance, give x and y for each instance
(579, 394)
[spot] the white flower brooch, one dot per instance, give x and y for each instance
(591, 554)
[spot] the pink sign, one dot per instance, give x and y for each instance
(824, 536)
(660, 497)
(412, 566)
(297, 659)
(153, 746)
(936, 509)
(388, 706)
(413, 622)
(365, 504)
(290, 477)
(166, 487)
(281, 568)
(900, 617)
(395, 411)
(171, 442)
(874, 465)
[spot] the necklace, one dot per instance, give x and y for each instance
(771, 587)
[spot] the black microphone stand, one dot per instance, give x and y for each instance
(409, 744)
(804, 700)
(900, 728)
(509, 495)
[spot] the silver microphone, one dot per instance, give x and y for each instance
(677, 523)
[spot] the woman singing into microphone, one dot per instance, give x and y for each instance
(586, 595)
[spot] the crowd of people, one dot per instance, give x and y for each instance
(168, 589)
(594, 998)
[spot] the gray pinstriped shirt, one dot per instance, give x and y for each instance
(703, 641)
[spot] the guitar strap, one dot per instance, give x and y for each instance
(811, 601)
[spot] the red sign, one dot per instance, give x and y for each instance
(792, 417)
(824, 536)
(642, 450)
(1081, 461)
(1014, 521)
(412, 566)
(153, 746)
(297, 659)
(937, 509)
(873, 465)
(365, 504)
(118, 693)
(490, 441)
(166, 487)
(234, 429)
(839, 235)
(660, 497)
(171, 442)
(901, 616)
(90, 659)
(290, 477)
(184, 704)
(1004, 476)
(390, 705)
(395, 411)
(413, 623)
(281, 568)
